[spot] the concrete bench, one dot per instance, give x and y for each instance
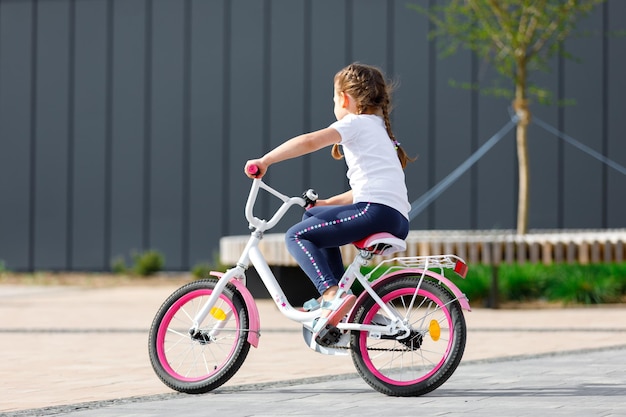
(487, 247)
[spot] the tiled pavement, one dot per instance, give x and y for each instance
(82, 351)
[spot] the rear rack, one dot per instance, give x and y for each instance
(453, 262)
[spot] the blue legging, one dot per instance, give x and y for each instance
(315, 241)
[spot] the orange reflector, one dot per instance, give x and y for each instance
(434, 329)
(218, 313)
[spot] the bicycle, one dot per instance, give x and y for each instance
(406, 332)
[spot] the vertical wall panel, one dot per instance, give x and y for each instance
(616, 128)
(543, 151)
(452, 141)
(128, 112)
(88, 136)
(583, 121)
(369, 32)
(206, 130)
(495, 195)
(16, 33)
(246, 101)
(496, 173)
(51, 153)
(328, 55)
(495, 198)
(410, 116)
(166, 156)
(543, 154)
(284, 104)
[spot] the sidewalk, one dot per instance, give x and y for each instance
(67, 345)
(568, 385)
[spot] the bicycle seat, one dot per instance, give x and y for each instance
(381, 244)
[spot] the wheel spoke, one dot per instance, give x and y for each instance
(203, 361)
(403, 364)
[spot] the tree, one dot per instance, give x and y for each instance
(516, 37)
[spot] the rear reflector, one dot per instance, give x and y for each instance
(460, 268)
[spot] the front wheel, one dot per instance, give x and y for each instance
(201, 362)
(417, 363)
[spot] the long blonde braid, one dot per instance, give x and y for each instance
(367, 85)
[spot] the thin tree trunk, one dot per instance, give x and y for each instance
(520, 105)
(521, 109)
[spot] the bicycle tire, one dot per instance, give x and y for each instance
(196, 365)
(422, 362)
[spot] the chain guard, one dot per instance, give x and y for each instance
(412, 342)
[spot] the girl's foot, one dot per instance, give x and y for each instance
(315, 303)
(332, 313)
(311, 305)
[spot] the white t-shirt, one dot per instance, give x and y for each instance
(374, 170)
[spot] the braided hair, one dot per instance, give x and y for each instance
(372, 94)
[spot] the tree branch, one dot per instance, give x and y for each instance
(561, 16)
(499, 43)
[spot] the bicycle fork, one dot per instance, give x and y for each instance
(195, 331)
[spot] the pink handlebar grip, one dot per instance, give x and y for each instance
(253, 170)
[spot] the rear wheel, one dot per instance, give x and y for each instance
(201, 362)
(417, 363)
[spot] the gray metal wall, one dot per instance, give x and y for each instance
(124, 124)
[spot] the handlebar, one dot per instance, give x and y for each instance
(308, 199)
(253, 170)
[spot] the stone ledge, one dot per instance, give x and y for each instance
(489, 247)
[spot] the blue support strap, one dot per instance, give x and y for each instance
(421, 203)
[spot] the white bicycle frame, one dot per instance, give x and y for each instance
(252, 254)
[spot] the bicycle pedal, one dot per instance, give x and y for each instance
(328, 336)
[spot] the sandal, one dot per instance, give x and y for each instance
(311, 305)
(314, 303)
(324, 329)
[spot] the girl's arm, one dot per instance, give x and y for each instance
(294, 147)
(338, 200)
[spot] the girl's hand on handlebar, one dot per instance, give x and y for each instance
(320, 202)
(255, 168)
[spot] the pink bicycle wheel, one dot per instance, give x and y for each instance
(417, 363)
(203, 361)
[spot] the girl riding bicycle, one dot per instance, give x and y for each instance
(377, 201)
(405, 331)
